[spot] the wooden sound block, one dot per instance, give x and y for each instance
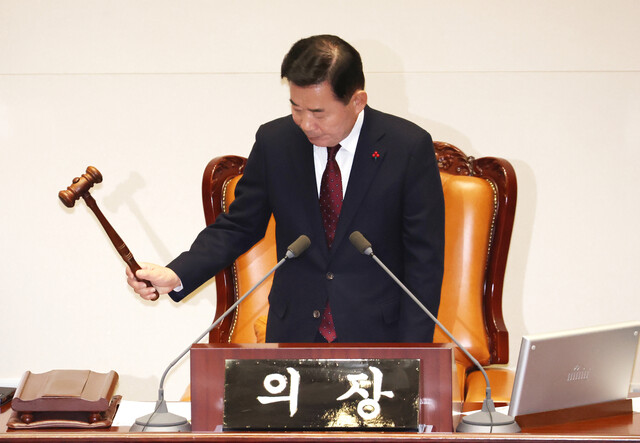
(64, 391)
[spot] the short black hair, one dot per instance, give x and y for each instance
(319, 58)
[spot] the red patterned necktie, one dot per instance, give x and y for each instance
(330, 206)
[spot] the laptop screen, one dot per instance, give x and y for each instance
(574, 368)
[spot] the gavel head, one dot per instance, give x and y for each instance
(80, 186)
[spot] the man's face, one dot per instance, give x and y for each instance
(324, 119)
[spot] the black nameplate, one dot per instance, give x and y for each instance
(322, 394)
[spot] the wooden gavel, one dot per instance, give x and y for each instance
(80, 188)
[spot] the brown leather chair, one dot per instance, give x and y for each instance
(480, 200)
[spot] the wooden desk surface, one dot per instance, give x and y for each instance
(622, 428)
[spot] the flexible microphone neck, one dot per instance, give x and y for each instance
(213, 325)
(363, 245)
(437, 322)
(294, 250)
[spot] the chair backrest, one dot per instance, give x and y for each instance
(480, 198)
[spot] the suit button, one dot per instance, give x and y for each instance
(316, 314)
(329, 275)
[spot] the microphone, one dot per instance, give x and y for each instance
(487, 420)
(296, 248)
(161, 420)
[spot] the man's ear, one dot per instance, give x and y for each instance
(359, 100)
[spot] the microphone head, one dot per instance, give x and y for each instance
(298, 247)
(360, 243)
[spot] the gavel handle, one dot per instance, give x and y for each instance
(121, 247)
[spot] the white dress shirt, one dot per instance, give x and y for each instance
(344, 157)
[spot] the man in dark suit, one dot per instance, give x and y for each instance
(387, 187)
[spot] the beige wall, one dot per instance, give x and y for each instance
(149, 91)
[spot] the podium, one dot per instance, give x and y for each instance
(439, 396)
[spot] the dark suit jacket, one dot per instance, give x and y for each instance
(395, 200)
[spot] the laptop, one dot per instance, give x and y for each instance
(574, 368)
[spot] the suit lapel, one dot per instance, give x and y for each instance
(366, 163)
(300, 157)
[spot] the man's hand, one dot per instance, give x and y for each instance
(164, 280)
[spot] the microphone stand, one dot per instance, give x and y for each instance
(161, 420)
(487, 420)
